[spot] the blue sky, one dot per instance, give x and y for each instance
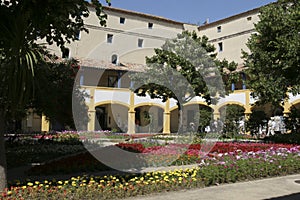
(190, 11)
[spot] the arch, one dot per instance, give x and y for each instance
(192, 113)
(230, 103)
(149, 118)
(111, 115)
(111, 102)
(295, 102)
(192, 103)
(149, 104)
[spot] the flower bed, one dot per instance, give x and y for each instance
(174, 154)
(221, 168)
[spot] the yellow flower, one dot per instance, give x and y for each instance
(36, 182)
(30, 184)
(60, 182)
(24, 187)
(9, 193)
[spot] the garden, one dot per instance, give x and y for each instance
(225, 161)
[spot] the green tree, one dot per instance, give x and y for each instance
(204, 116)
(274, 59)
(292, 120)
(231, 115)
(54, 89)
(184, 67)
(257, 119)
(22, 23)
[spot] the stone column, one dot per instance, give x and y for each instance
(167, 118)
(45, 124)
(91, 111)
(286, 107)
(247, 104)
(216, 113)
(131, 115)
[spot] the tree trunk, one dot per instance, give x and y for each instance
(180, 118)
(3, 169)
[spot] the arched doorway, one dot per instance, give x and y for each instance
(148, 119)
(233, 119)
(195, 118)
(111, 117)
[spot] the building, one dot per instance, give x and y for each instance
(109, 54)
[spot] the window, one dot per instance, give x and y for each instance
(220, 45)
(249, 18)
(65, 53)
(140, 42)
(77, 36)
(150, 25)
(110, 38)
(112, 81)
(219, 29)
(122, 20)
(114, 59)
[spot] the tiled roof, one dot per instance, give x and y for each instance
(100, 64)
(133, 67)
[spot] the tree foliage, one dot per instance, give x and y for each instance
(231, 115)
(22, 23)
(274, 59)
(55, 90)
(257, 119)
(184, 67)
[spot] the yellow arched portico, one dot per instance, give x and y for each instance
(190, 115)
(245, 106)
(111, 115)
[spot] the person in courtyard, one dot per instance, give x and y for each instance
(241, 126)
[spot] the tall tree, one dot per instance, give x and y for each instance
(274, 59)
(183, 68)
(22, 23)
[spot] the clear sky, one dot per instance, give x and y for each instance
(190, 11)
